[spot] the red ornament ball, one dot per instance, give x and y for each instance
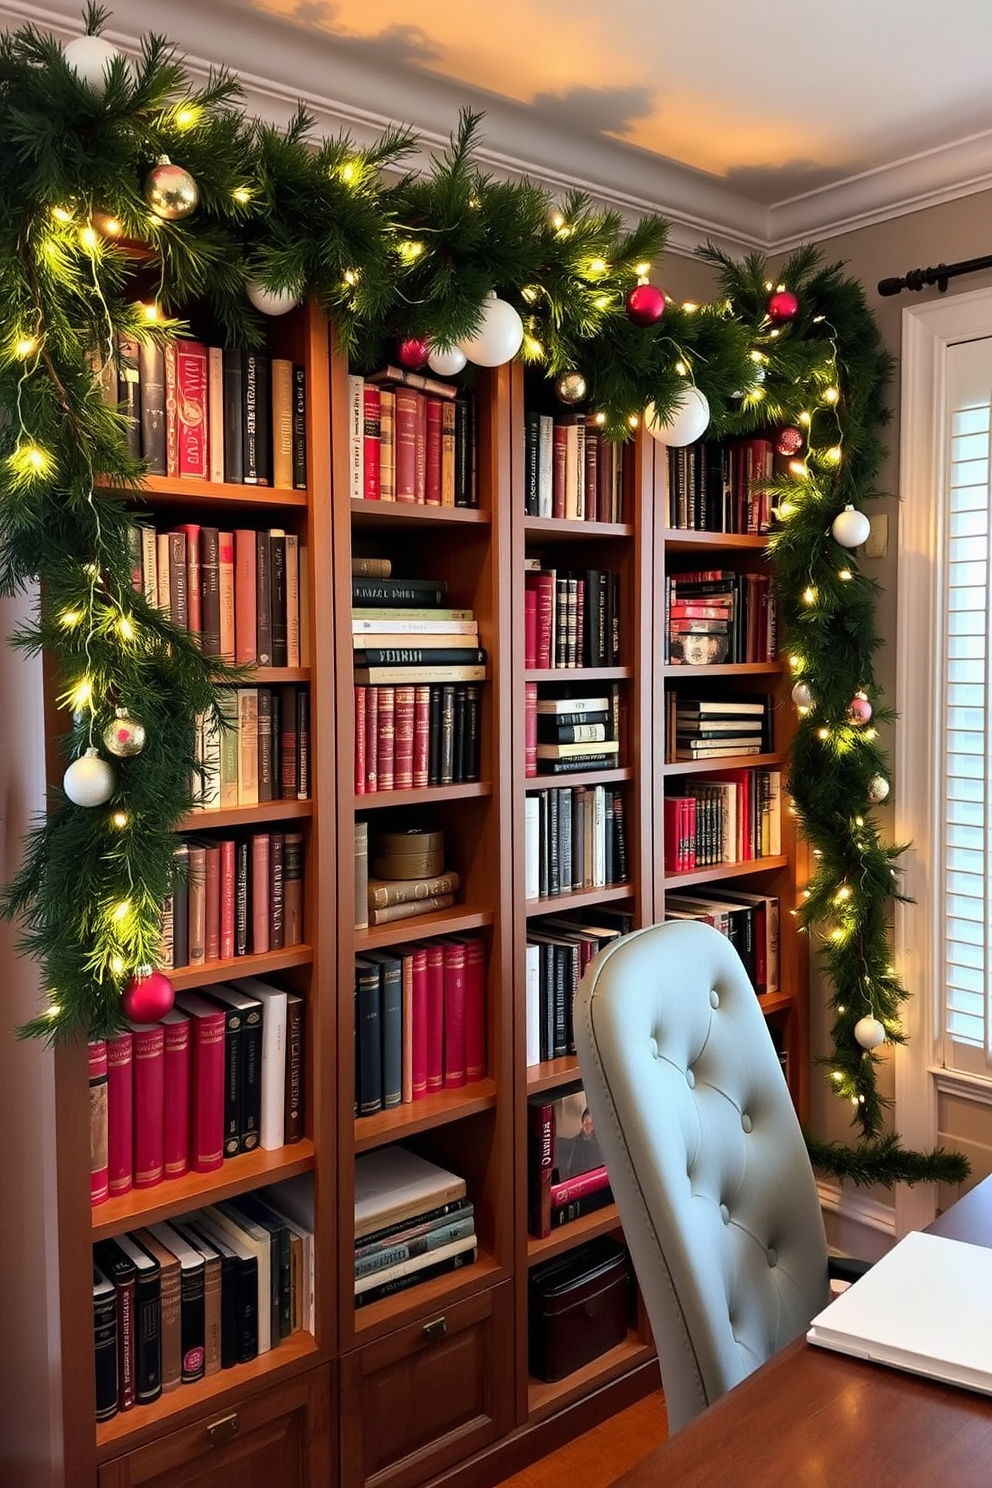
(789, 441)
(859, 710)
(148, 996)
(645, 304)
(782, 305)
(413, 354)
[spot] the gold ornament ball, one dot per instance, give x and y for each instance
(170, 191)
(124, 736)
(570, 387)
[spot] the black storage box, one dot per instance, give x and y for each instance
(577, 1307)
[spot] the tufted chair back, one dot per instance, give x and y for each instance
(706, 1157)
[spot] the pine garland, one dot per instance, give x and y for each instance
(388, 256)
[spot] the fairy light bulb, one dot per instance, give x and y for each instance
(122, 910)
(832, 456)
(797, 467)
(117, 965)
(642, 270)
(81, 696)
(845, 575)
(25, 346)
(88, 237)
(633, 420)
(187, 115)
(809, 596)
(558, 222)
(119, 820)
(831, 396)
(70, 618)
(597, 266)
(241, 195)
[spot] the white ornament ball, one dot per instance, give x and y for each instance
(869, 1033)
(90, 58)
(446, 361)
(89, 780)
(688, 422)
(272, 301)
(498, 338)
(878, 788)
(801, 696)
(850, 527)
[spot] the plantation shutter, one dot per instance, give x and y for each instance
(964, 756)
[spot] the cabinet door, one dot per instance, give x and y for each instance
(280, 1437)
(427, 1396)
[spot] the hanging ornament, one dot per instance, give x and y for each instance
(850, 527)
(570, 387)
(869, 1033)
(170, 191)
(90, 58)
(859, 711)
(801, 696)
(148, 996)
(782, 306)
(498, 337)
(687, 421)
(446, 361)
(878, 789)
(413, 353)
(124, 736)
(789, 441)
(272, 301)
(645, 304)
(89, 780)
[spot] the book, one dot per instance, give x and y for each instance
(212, 1288)
(407, 1231)
(273, 1104)
(147, 1320)
(192, 1317)
(241, 1313)
(382, 892)
(119, 1268)
(462, 1253)
(99, 1133)
(368, 1037)
(176, 1056)
(105, 1344)
(149, 1103)
(207, 1032)
(265, 1243)
(170, 1308)
(120, 1103)
(410, 909)
(392, 1183)
(295, 1035)
(242, 1066)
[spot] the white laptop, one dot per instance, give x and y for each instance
(926, 1307)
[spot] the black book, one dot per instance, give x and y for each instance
(473, 731)
(256, 441)
(234, 416)
(303, 744)
(565, 840)
(241, 860)
(245, 1309)
(129, 391)
(574, 763)
(243, 1091)
(263, 598)
(399, 593)
(465, 494)
(368, 1024)
(277, 538)
(256, 1211)
(420, 656)
(608, 836)
(620, 857)
(192, 1313)
(590, 729)
(552, 843)
(105, 1344)
(299, 427)
(268, 1243)
(210, 590)
(390, 1025)
(447, 767)
(575, 1208)
(119, 1268)
(458, 751)
(542, 856)
(151, 376)
(147, 1321)
(434, 736)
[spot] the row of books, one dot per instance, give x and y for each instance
(714, 727)
(732, 819)
(211, 413)
(721, 485)
(174, 1302)
(258, 750)
(717, 616)
(416, 734)
(220, 1074)
(412, 438)
(413, 1221)
(242, 593)
(558, 952)
(749, 921)
(233, 896)
(566, 1174)
(420, 1021)
(571, 619)
(575, 837)
(565, 733)
(571, 469)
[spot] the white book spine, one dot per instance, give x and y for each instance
(532, 847)
(545, 445)
(248, 746)
(532, 1004)
(149, 563)
(599, 838)
(356, 435)
(292, 600)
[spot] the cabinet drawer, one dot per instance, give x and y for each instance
(281, 1436)
(428, 1395)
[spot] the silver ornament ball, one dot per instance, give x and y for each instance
(850, 528)
(878, 789)
(90, 57)
(170, 191)
(272, 301)
(869, 1033)
(124, 736)
(801, 696)
(570, 387)
(89, 780)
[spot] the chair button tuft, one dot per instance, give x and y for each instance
(772, 1255)
(725, 1214)
(746, 1122)
(714, 998)
(690, 1079)
(653, 1046)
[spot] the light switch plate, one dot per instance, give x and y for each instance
(877, 543)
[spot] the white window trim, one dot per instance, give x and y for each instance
(927, 331)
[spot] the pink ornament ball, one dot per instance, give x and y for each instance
(413, 354)
(782, 305)
(645, 304)
(789, 441)
(147, 997)
(860, 709)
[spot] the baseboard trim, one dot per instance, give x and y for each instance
(857, 1208)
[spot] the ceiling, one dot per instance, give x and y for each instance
(759, 125)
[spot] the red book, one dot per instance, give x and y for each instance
(99, 1156)
(191, 409)
(228, 601)
(530, 626)
(169, 354)
(434, 997)
(359, 741)
(421, 735)
(194, 604)
(405, 443)
(259, 892)
(207, 1028)
(421, 482)
(371, 740)
(227, 899)
(544, 584)
(386, 735)
(417, 956)
(530, 728)
(403, 729)
(372, 489)
(581, 1184)
(287, 743)
(540, 1164)
(211, 899)
(245, 613)
(432, 470)
(475, 1009)
(454, 1013)
(176, 1108)
(120, 1112)
(149, 1104)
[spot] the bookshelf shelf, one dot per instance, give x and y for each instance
(422, 1115)
(245, 816)
(601, 1222)
(579, 899)
(550, 527)
(162, 490)
(582, 674)
(545, 1399)
(682, 540)
(721, 871)
(723, 669)
(551, 1072)
(440, 1292)
(424, 795)
(407, 514)
(578, 777)
(185, 977)
(733, 762)
(145, 1206)
(453, 921)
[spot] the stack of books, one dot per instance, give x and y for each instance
(716, 727)
(411, 438)
(571, 470)
(409, 875)
(413, 1221)
(558, 951)
(575, 837)
(566, 1174)
(570, 733)
(716, 615)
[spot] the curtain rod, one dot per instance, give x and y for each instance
(922, 278)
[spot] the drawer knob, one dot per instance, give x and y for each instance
(223, 1430)
(435, 1329)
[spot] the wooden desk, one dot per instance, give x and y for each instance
(809, 1418)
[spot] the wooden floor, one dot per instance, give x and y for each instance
(596, 1458)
